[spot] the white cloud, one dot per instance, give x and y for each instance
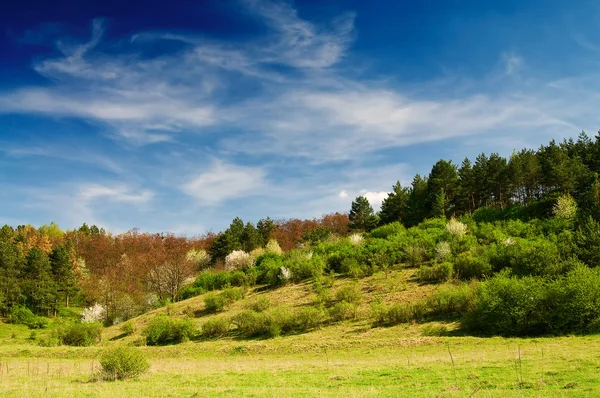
(375, 198)
(119, 193)
(343, 194)
(225, 181)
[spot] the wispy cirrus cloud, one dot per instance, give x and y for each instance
(294, 100)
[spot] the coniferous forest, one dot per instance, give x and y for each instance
(512, 242)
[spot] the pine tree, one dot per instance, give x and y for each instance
(415, 206)
(64, 276)
(251, 238)
(393, 208)
(40, 289)
(362, 216)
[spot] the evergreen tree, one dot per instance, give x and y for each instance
(393, 208)
(362, 216)
(39, 288)
(265, 227)
(443, 177)
(11, 269)
(251, 237)
(465, 202)
(415, 206)
(62, 271)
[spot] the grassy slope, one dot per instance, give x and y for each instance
(349, 358)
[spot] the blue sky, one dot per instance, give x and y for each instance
(180, 116)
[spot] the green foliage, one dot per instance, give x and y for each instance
(387, 230)
(216, 327)
(120, 363)
(164, 330)
(342, 311)
(304, 265)
(397, 313)
(271, 323)
(452, 300)
(260, 305)
(472, 264)
(349, 293)
(128, 328)
(362, 217)
(80, 334)
(435, 273)
(309, 318)
(217, 302)
(20, 315)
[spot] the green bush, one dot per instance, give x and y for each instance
(216, 327)
(472, 264)
(272, 323)
(509, 306)
(80, 334)
(310, 318)
(214, 302)
(383, 232)
(261, 305)
(23, 316)
(268, 268)
(342, 311)
(436, 273)
(128, 328)
(452, 300)
(395, 314)
(304, 266)
(349, 293)
(121, 363)
(164, 330)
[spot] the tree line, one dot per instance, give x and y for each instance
(525, 186)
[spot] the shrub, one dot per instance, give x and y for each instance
(414, 254)
(394, 314)
(164, 330)
(239, 259)
(349, 293)
(216, 327)
(436, 273)
(509, 306)
(268, 266)
(80, 334)
(565, 208)
(304, 267)
(200, 258)
(121, 363)
(351, 267)
(452, 300)
(472, 264)
(383, 232)
(260, 305)
(232, 294)
(310, 318)
(273, 247)
(356, 239)
(23, 316)
(250, 323)
(214, 302)
(342, 311)
(128, 328)
(95, 313)
(434, 330)
(456, 228)
(443, 251)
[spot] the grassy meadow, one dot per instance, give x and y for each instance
(350, 358)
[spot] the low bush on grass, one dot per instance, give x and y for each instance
(121, 363)
(216, 327)
(452, 300)
(435, 273)
(80, 334)
(217, 302)
(342, 311)
(164, 330)
(23, 316)
(350, 294)
(128, 328)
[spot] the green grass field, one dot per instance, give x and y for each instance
(351, 359)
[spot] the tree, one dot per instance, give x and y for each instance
(62, 271)
(11, 269)
(415, 206)
(265, 228)
(443, 177)
(393, 208)
(465, 202)
(40, 289)
(251, 238)
(362, 216)
(440, 204)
